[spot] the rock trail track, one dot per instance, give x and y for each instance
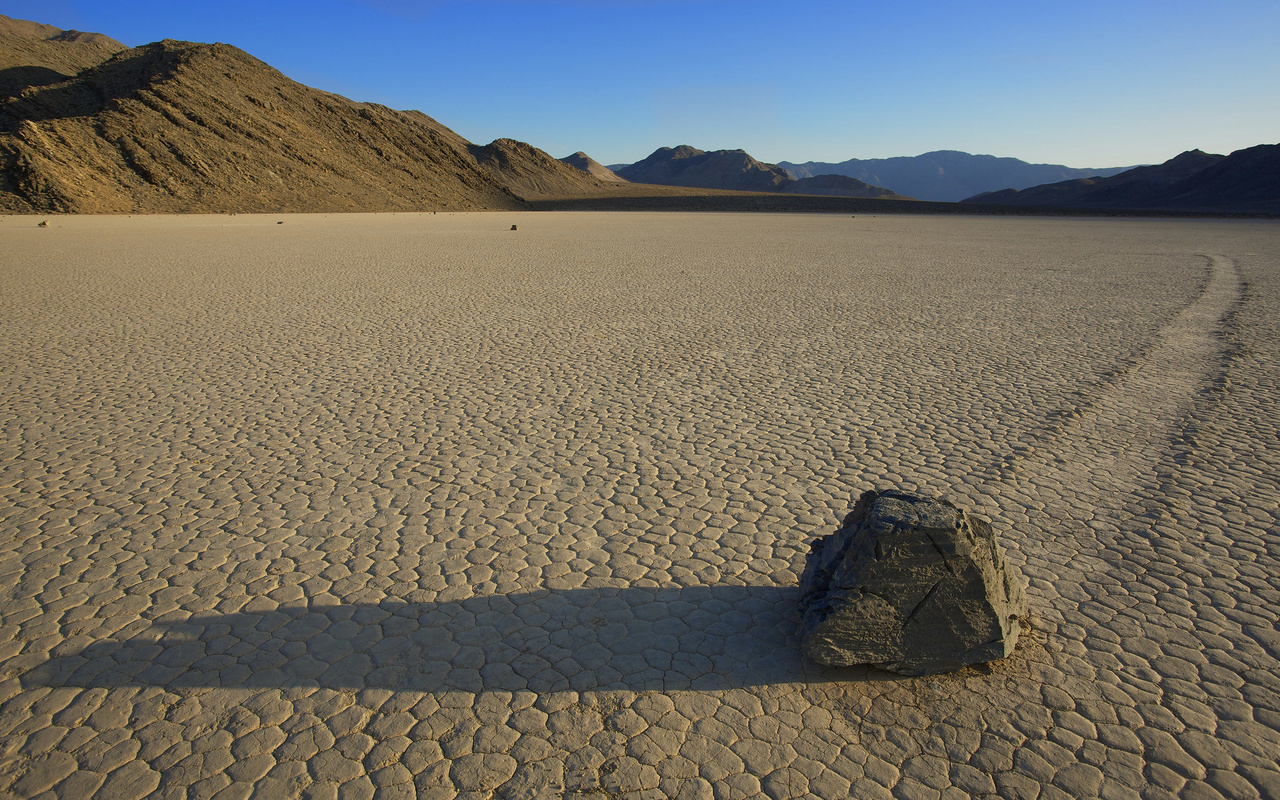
(417, 506)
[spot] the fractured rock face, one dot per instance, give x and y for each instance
(909, 584)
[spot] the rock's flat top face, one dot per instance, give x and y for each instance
(911, 584)
(290, 498)
(901, 510)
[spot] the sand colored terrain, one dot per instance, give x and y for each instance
(185, 127)
(419, 506)
(592, 167)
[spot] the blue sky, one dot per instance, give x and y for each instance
(1080, 83)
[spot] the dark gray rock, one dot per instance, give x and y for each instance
(909, 584)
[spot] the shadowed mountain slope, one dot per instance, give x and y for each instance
(947, 175)
(179, 126)
(1245, 181)
(719, 169)
(738, 171)
(32, 54)
(592, 167)
(1136, 187)
(838, 186)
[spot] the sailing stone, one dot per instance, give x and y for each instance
(909, 584)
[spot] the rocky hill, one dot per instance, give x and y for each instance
(718, 169)
(947, 175)
(185, 127)
(736, 170)
(592, 167)
(32, 54)
(530, 172)
(1247, 181)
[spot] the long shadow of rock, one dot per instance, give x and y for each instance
(716, 637)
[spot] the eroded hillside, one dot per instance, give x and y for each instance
(185, 127)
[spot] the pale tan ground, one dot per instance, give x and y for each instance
(409, 504)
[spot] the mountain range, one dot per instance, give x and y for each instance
(181, 126)
(90, 125)
(1246, 181)
(736, 170)
(946, 175)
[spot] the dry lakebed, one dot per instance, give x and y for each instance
(421, 505)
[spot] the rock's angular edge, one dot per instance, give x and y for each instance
(909, 584)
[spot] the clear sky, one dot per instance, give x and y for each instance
(1082, 83)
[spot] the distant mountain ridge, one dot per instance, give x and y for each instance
(89, 125)
(1247, 181)
(839, 186)
(718, 169)
(946, 175)
(736, 170)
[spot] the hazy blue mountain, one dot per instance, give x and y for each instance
(947, 175)
(1246, 181)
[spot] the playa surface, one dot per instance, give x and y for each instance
(417, 505)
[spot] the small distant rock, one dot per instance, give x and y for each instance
(909, 584)
(513, 227)
(281, 222)
(43, 224)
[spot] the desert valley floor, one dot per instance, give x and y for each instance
(417, 505)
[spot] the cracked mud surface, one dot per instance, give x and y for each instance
(418, 506)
